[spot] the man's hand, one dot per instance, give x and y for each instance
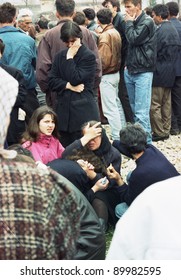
(113, 174)
(128, 17)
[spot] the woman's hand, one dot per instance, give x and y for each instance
(91, 133)
(41, 165)
(78, 88)
(99, 186)
(88, 168)
(72, 51)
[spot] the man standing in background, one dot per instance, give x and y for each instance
(140, 62)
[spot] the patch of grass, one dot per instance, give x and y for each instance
(109, 235)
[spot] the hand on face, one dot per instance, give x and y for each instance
(129, 17)
(73, 48)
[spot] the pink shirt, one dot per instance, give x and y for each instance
(46, 149)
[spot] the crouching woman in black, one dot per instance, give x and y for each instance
(90, 156)
(72, 78)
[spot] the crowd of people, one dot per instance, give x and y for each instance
(61, 183)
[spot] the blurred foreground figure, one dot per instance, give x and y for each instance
(39, 215)
(150, 228)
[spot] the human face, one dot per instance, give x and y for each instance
(157, 19)
(131, 9)
(94, 144)
(47, 125)
(72, 42)
(25, 23)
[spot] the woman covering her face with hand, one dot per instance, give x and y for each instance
(72, 77)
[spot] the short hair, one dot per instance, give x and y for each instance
(148, 11)
(7, 13)
(43, 22)
(24, 13)
(69, 30)
(79, 18)
(133, 138)
(173, 8)
(65, 7)
(104, 16)
(161, 10)
(114, 3)
(89, 13)
(32, 132)
(134, 2)
(2, 46)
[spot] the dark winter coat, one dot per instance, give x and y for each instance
(74, 109)
(168, 43)
(177, 25)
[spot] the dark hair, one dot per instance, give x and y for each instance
(91, 123)
(134, 2)
(69, 30)
(89, 13)
(161, 10)
(2, 46)
(65, 7)
(79, 18)
(114, 3)
(148, 11)
(43, 22)
(134, 138)
(32, 131)
(7, 13)
(173, 8)
(104, 16)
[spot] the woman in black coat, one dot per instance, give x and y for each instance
(72, 77)
(85, 164)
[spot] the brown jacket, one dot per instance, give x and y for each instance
(109, 47)
(51, 44)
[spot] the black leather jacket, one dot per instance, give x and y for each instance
(141, 37)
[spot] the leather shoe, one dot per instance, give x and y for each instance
(174, 131)
(156, 138)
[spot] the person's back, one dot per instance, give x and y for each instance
(91, 243)
(20, 50)
(36, 223)
(150, 229)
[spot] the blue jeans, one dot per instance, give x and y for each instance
(121, 209)
(111, 104)
(139, 87)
